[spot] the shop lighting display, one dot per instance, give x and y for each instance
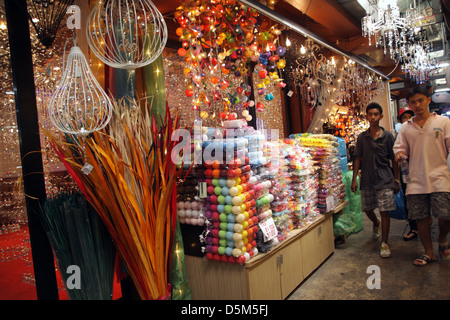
(400, 35)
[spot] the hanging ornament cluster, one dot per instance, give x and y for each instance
(222, 43)
(126, 34)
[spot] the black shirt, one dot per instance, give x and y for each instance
(376, 156)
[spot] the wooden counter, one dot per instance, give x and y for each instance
(267, 276)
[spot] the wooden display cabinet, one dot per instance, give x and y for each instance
(267, 276)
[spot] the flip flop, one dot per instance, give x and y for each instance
(444, 251)
(411, 235)
(423, 260)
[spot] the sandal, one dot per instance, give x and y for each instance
(423, 261)
(411, 235)
(444, 251)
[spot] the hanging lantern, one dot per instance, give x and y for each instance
(46, 16)
(79, 105)
(126, 34)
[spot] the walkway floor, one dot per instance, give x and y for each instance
(344, 274)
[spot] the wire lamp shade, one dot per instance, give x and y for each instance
(79, 105)
(46, 16)
(126, 34)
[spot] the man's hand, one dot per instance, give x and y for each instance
(396, 187)
(399, 156)
(354, 186)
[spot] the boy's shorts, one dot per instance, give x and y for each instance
(421, 206)
(383, 199)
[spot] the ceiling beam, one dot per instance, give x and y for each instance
(330, 14)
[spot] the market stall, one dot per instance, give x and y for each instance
(182, 148)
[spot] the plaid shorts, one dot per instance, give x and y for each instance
(421, 206)
(382, 199)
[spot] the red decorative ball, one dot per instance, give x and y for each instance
(182, 52)
(189, 92)
(259, 106)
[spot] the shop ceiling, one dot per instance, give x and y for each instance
(338, 22)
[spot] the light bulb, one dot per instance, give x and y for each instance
(288, 42)
(302, 50)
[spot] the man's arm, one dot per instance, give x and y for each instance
(356, 166)
(401, 148)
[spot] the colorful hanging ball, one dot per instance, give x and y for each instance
(214, 80)
(281, 51)
(262, 73)
(189, 92)
(281, 64)
(182, 52)
(268, 97)
(203, 114)
(263, 59)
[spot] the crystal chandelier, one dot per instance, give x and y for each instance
(311, 71)
(417, 64)
(402, 36)
(385, 25)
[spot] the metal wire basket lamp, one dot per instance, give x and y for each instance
(126, 34)
(79, 104)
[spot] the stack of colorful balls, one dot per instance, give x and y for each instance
(282, 206)
(262, 181)
(304, 183)
(324, 151)
(190, 208)
(231, 210)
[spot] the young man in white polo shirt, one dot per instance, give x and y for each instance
(425, 140)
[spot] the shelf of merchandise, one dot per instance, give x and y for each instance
(267, 276)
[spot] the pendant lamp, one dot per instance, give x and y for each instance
(46, 16)
(126, 34)
(79, 104)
